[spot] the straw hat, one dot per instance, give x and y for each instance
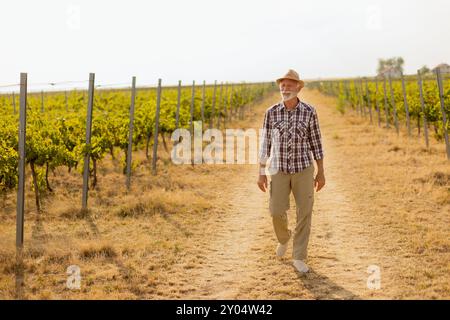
(293, 75)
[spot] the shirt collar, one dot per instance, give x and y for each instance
(283, 106)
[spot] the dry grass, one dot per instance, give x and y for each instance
(204, 231)
(394, 194)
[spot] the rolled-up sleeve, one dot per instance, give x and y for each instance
(315, 137)
(266, 137)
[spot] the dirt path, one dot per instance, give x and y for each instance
(241, 262)
(347, 238)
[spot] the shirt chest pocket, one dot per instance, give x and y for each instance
(298, 130)
(301, 129)
(279, 129)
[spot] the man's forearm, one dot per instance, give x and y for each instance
(320, 165)
(262, 167)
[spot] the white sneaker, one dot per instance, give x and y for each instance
(282, 248)
(300, 266)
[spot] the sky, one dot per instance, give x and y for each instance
(232, 40)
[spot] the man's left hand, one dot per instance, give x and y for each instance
(319, 181)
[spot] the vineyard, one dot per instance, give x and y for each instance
(167, 151)
(173, 234)
(414, 101)
(56, 125)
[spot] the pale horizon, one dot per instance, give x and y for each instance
(231, 41)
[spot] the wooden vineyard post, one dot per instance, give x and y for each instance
(191, 119)
(225, 106)
(363, 103)
(368, 101)
(66, 101)
(386, 106)
(405, 103)
(42, 101)
(219, 107)
(14, 102)
(88, 142)
(394, 109)
(377, 105)
(155, 141)
(211, 119)
(358, 99)
(203, 101)
(130, 134)
(231, 103)
(21, 183)
(177, 115)
(422, 106)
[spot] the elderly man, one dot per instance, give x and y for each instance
(290, 134)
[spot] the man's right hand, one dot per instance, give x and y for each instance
(262, 182)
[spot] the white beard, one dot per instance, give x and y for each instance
(288, 95)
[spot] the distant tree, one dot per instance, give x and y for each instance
(396, 63)
(424, 70)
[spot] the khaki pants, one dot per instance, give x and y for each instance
(302, 186)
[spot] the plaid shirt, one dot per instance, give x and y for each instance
(289, 136)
